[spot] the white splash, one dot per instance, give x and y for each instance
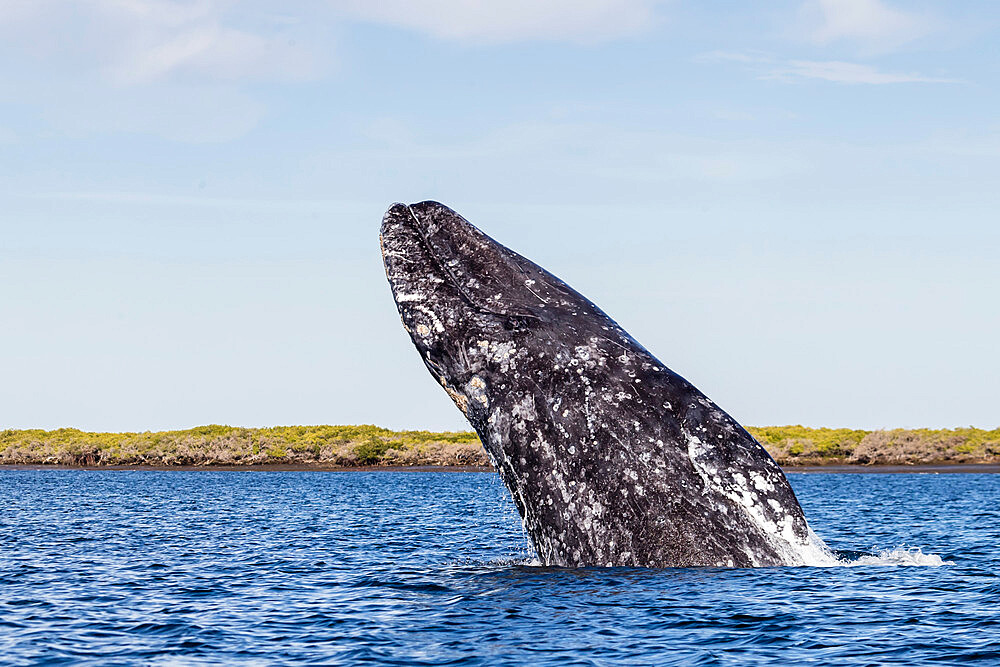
(900, 556)
(814, 553)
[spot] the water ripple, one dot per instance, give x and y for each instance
(171, 568)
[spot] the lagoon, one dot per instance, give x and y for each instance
(305, 567)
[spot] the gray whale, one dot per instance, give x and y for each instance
(611, 458)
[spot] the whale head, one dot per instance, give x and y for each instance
(471, 305)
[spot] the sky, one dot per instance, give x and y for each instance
(792, 204)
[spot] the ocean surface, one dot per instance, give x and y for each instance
(174, 568)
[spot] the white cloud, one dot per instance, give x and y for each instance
(173, 68)
(869, 23)
(512, 20)
(138, 41)
(843, 72)
(747, 58)
(826, 70)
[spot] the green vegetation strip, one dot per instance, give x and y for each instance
(350, 446)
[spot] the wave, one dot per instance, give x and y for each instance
(818, 555)
(900, 556)
(815, 553)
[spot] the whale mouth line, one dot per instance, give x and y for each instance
(443, 268)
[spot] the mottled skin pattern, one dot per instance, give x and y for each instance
(612, 458)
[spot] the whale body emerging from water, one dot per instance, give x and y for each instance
(612, 458)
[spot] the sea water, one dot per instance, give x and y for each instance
(203, 567)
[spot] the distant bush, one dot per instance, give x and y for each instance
(215, 444)
(371, 450)
(788, 443)
(366, 444)
(799, 444)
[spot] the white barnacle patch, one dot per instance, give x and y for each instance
(761, 482)
(438, 326)
(477, 391)
(589, 355)
(523, 411)
(503, 354)
(423, 330)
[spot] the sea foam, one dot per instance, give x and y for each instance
(903, 555)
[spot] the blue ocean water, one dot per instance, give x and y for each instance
(208, 567)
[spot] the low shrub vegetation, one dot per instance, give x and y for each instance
(329, 446)
(368, 445)
(791, 445)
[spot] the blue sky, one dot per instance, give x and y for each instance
(792, 204)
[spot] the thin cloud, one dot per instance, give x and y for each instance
(869, 23)
(836, 71)
(486, 21)
(844, 72)
(179, 70)
(746, 58)
(139, 41)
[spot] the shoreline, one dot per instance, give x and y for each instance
(370, 447)
(926, 468)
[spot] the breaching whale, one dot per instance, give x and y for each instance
(611, 458)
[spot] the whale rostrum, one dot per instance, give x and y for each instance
(611, 458)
